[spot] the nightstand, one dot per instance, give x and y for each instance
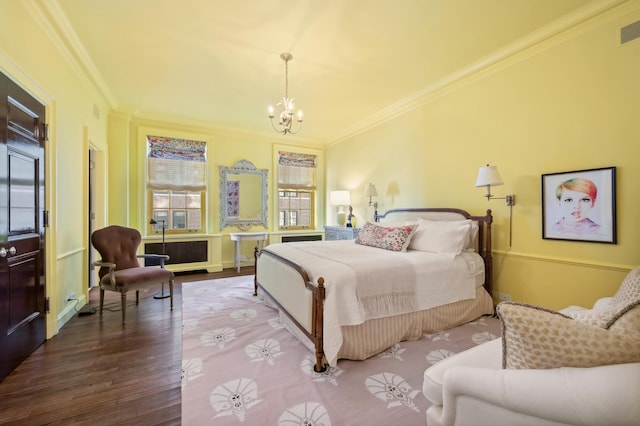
(340, 233)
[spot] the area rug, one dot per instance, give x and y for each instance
(241, 366)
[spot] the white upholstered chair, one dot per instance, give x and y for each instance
(573, 367)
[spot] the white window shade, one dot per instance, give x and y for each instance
(176, 164)
(177, 174)
(296, 177)
(296, 170)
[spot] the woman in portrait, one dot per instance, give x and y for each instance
(576, 197)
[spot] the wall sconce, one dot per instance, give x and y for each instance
(371, 191)
(340, 199)
(487, 176)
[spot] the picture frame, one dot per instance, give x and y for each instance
(580, 205)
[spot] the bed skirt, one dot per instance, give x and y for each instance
(374, 336)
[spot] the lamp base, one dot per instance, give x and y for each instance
(342, 219)
(161, 295)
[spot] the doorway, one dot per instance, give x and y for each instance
(92, 217)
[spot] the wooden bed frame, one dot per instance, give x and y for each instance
(317, 289)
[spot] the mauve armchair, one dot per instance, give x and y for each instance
(119, 267)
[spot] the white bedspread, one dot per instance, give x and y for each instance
(363, 282)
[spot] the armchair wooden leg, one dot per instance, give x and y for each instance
(123, 298)
(101, 300)
(137, 297)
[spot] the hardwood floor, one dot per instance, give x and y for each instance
(97, 372)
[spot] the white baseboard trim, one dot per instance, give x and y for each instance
(70, 309)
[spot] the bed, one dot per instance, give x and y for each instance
(410, 272)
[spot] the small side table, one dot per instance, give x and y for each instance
(238, 237)
(340, 233)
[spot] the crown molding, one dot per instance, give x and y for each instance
(545, 37)
(49, 16)
(207, 127)
(52, 20)
(9, 68)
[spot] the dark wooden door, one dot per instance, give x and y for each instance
(22, 236)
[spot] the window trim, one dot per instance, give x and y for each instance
(144, 203)
(311, 209)
(317, 201)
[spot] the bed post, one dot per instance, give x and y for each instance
(256, 253)
(318, 326)
(488, 259)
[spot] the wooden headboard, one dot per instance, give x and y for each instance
(484, 229)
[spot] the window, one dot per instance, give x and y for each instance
(177, 209)
(176, 183)
(295, 208)
(296, 190)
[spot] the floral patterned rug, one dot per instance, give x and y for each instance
(241, 367)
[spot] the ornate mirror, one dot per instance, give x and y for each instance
(243, 196)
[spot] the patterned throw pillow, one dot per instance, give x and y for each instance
(627, 321)
(386, 237)
(627, 296)
(629, 290)
(534, 337)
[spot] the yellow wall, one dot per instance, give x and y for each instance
(76, 117)
(568, 103)
(225, 147)
(564, 104)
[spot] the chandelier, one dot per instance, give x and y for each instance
(286, 116)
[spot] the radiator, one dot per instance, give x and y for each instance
(180, 252)
(296, 238)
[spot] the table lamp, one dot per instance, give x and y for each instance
(340, 199)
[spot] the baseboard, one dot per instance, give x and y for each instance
(69, 311)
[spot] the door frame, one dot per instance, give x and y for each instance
(96, 190)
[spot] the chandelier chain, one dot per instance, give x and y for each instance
(286, 78)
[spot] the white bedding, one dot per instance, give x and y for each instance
(359, 281)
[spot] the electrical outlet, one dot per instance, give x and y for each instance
(72, 296)
(504, 297)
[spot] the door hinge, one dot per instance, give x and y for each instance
(45, 131)
(45, 218)
(47, 305)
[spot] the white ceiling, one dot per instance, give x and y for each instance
(219, 62)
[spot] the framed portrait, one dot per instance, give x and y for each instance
(580, 205)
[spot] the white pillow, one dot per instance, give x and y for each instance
(470, 243)
(441, 236)
(397, 224)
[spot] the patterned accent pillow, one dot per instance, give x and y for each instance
(627, 321)
(627, 296)
(591, 317)
(629, 290)
(394, 238)
(534, 337)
